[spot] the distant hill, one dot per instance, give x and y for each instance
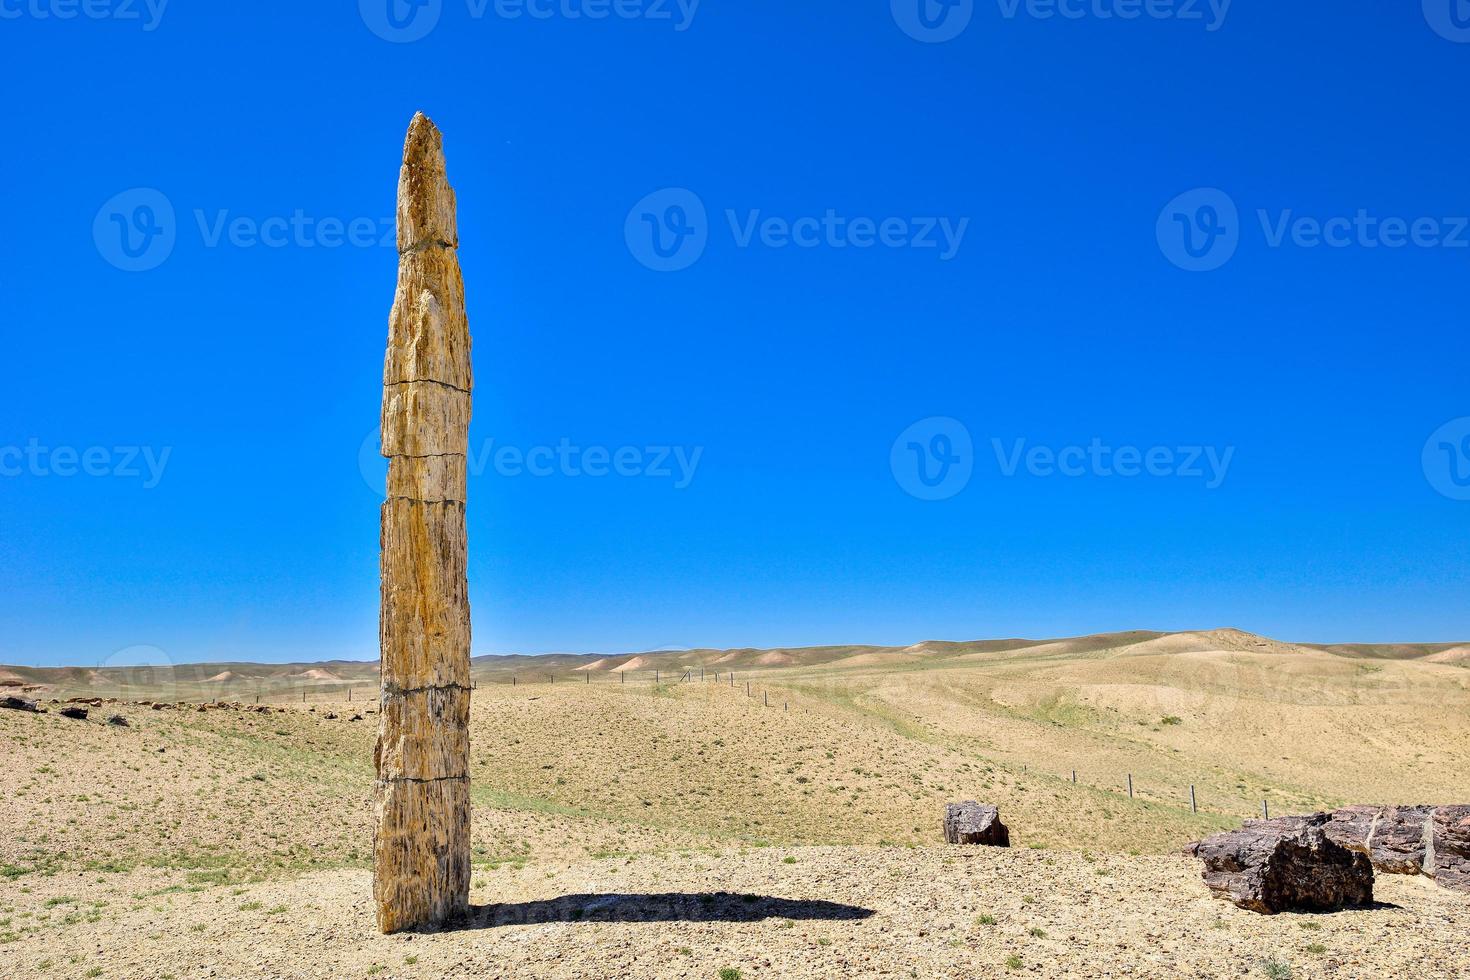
(240, 680)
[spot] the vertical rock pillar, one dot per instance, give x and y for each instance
(421, 845)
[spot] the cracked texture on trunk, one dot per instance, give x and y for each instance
(421, 844)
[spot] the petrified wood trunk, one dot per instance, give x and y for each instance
(1392, 836)
(1286, 864)
(1409, 840)
(19, 704)
(1451, 847)
(421, 846)
(973, 823)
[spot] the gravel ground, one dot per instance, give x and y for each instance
(768, 912)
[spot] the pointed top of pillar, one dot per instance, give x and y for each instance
(426, 206)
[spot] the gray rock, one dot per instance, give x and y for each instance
(117, 720)
(1286, 864)
(974, 823)
(18, 704)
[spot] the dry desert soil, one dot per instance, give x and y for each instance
(685, 828)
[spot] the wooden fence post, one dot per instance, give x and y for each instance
(1130, 785)
(1265, 810)
(1193, 806)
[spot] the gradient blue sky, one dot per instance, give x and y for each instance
(1060, 319)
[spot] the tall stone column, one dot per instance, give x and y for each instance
(421, 846)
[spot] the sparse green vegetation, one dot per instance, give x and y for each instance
(1275, 969)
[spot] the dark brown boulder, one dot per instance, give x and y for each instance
(973, 823)
(1393, 837)
(72, 711)
(1286, 864)
(117, 720)
(18, 704)
(1450, 854)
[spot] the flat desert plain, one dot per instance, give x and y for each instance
(686, 826)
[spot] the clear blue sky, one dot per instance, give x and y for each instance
(1320, 376)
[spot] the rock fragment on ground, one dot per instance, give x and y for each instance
(1286, 864)
(1450, 857)
(975, 823)
(19, 704)
(1392, 836)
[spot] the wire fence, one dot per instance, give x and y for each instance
(366, 695)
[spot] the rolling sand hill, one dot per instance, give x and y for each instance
(680, 829)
